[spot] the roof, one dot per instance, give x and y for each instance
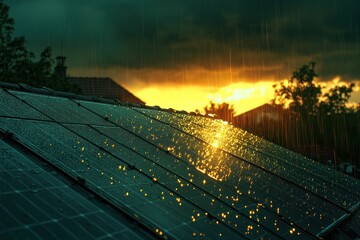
(265, 108)
(104, 88)
(175, 175)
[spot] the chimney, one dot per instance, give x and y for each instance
(60, 69)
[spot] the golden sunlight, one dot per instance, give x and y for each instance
(193, 88)
(243, 96)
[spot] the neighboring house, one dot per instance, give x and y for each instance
(261, 121)
(102, 87)
(258, 115)
(280, 126)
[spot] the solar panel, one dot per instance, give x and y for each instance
(355, 223)
(181, 176)
(235, 186)
(59, 109)
(34, 203)
(116, 181)
(302, 207)
(202, 190)
(11, 106)
(271, 157)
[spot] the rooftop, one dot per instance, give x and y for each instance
(84, 167)
(105, 88)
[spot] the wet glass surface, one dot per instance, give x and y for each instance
(33, 196)
(116, 180)
(304, 208)
(186, 176)
(313, 176)
(11, 106)
(61, 109)
(220, 201)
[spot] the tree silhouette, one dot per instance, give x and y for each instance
(301, 92)
(17, 64)
(306, 97)
(318, 119)
(336, 100)
(13, 54)
(222, 111)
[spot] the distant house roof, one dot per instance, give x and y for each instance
(104, 88)
(266, 108)
(73, 167)
(264, 111)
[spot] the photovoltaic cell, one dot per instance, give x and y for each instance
(37, 204)
(304, 208)
(293, 159)
(260, 152)
(10, 106)
(232, 208)
(60, 109)
(232, 195)
(355, 223)
(106, 175)
(182, 176)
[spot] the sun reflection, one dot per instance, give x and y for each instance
(215, 143)
(210, 160)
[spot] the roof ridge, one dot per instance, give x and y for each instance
(50, 92)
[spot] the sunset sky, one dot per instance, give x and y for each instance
(184, 53)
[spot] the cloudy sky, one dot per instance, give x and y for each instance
(184, 53)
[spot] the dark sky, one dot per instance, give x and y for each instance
(265, 38)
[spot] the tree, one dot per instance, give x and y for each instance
(17, 63)
(336, 100)
(306, 97)
(222, 111)
(300, 92)
(13, 54)
(325, 119)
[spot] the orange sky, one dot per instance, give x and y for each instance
(242, 95)
(182, 54)
(191, 89)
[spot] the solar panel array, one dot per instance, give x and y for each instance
(183, 175)
(36, 203)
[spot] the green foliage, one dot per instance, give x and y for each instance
(17, 64)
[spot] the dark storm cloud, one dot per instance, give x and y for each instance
(271, 34)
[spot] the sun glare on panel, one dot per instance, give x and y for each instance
(211, 160)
